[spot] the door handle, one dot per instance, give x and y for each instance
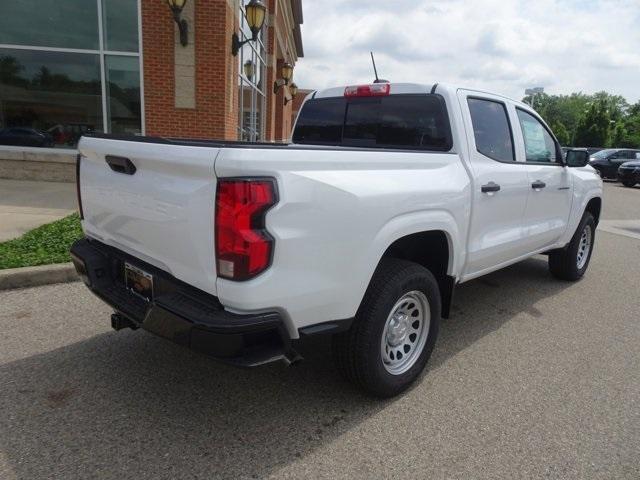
(120, 164)
(537, 185)
(490, 187)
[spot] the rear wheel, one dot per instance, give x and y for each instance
(394, 331)
(628, 183)
(571, 262)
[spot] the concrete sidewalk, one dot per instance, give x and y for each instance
(25, 205)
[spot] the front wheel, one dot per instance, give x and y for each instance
(394, 331)
(571, 262)
(629, 184)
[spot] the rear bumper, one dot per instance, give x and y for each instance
(181, 313)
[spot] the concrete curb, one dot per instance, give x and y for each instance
(35, 276)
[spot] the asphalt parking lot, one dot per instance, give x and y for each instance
(531, 378)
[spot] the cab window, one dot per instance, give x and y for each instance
(540, 147)
(491, 129)
(401, 121)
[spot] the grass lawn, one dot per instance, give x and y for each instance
(44, 245)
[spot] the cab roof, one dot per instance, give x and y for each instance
(412, 88)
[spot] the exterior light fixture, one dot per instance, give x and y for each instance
(293, 90)
(249, 69)
(255, 13)
(176, 7)
(287, 75)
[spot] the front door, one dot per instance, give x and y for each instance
(550, 183)
(500, 185)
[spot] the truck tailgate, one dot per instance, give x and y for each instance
(163, 213)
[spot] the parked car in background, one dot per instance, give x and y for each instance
(25, 137)
(629, 173)
(607, 162)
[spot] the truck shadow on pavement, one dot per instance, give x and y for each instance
(130, 405)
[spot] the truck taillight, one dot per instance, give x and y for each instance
(80, 212)
(243, 245)
(373, 90)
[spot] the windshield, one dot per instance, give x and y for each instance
(603, 153)
(398, 121)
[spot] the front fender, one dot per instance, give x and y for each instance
(587, 186)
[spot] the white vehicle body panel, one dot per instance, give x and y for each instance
(496, 232)
(163, 214)
(339, 210)
(337, 215)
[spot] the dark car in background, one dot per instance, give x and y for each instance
(25, 137)
(608, 161)
(629, 173)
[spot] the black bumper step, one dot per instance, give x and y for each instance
(180, 312)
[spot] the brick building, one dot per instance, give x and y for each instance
(118, 66)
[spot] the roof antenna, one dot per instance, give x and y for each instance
(375, 70)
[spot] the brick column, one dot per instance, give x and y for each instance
(271, 56)
(190, 93)
(278, 101)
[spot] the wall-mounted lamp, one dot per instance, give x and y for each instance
(249, 69)
(255, 13)
(176, 7)
(293, 90)
(287, 75)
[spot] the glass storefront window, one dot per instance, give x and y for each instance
(120, 19)
(50, 23)
(53, 63)
(251, 93)
(52, 98)
(123, 92)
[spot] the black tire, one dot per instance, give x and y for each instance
(357, 352)
(629, 184)
(563, 263)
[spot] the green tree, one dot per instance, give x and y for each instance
(10, 69)
(561, 132)
(631, 125)
(594, 127)
(562, 109)
(619, 135)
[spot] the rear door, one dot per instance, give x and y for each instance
(153, 201)
(500, 185)
(550, 183)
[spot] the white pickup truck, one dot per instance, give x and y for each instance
(388, 196)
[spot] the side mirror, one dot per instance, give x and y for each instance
(577, 158)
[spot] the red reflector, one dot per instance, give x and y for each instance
(243, 246)
(374, 90)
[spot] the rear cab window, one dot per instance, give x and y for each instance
(401, 121)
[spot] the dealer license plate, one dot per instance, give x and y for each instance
(138, 281)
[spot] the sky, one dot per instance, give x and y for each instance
(503, 46)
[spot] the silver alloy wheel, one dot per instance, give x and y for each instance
(405, 332)
(584, 247)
